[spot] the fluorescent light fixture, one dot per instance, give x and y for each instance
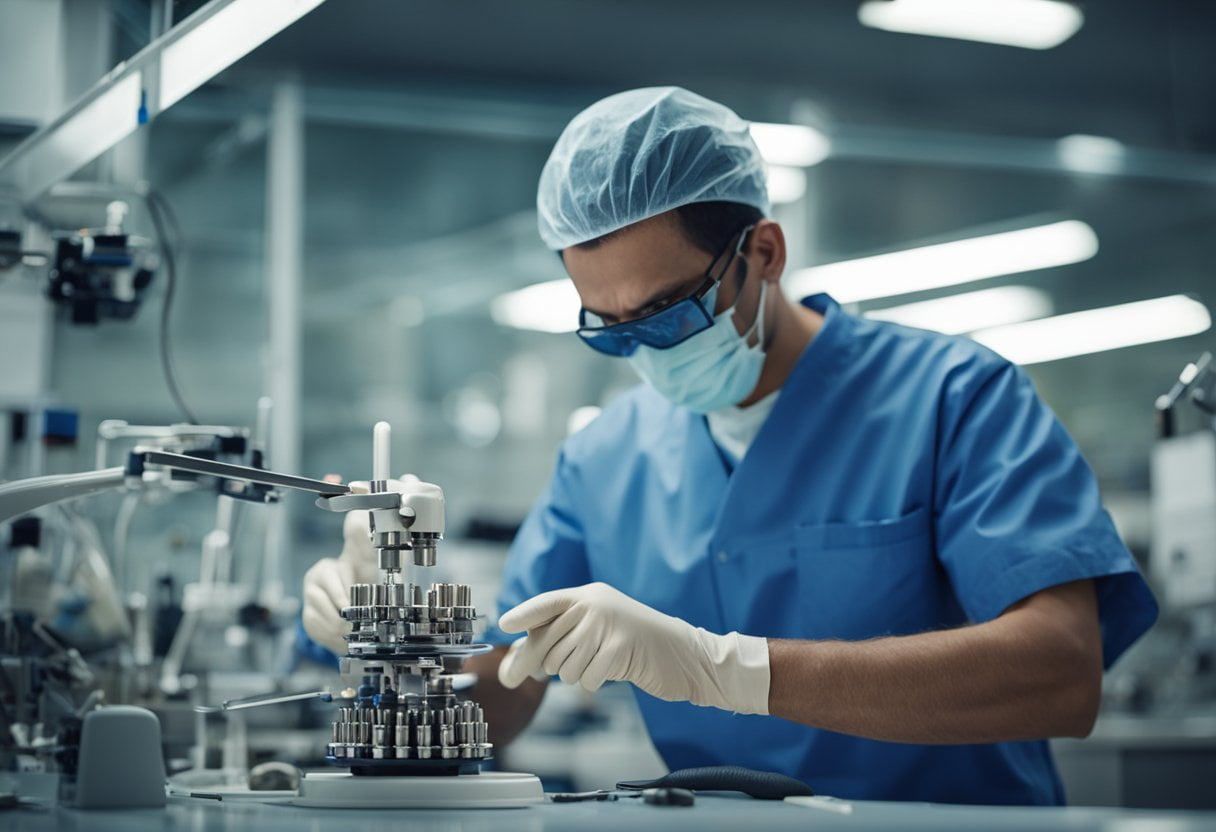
(970, 311)
(785, 184)
(949, 264)
(792, 145)
(79, 138)
(1098, 330)
(1031, 24)
(221, 40)
(1091, 154)
(551, 306)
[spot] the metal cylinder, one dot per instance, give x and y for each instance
(424, 552)
(438, 685)
(389, 559)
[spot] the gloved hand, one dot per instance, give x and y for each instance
(327, 582)
(591, 634)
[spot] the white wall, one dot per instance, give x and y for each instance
(51, 52)
(32, 70)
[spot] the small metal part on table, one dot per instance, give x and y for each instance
(598, 794)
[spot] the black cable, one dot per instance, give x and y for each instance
(158, 210)
(169, 214)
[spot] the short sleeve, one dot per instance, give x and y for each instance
(1017, 509)
(547, 553)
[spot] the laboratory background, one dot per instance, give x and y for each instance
(246, 232)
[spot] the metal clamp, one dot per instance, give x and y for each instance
(364, 502)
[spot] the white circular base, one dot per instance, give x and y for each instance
(487, 790)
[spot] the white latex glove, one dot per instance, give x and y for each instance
(327, 582)
(591, 634)
(326, 592)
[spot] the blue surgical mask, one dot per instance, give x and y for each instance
(713, 369)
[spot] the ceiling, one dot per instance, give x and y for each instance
(1141, 72)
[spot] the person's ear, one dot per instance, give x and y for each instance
(766, 249)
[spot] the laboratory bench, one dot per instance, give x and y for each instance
(1142, 761)
(712, 812)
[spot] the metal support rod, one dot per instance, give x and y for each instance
(241, 473)
(284, 255)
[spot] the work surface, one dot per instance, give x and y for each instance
(711, 812)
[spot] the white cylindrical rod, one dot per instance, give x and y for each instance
(382, 436)
(261, 434)
(283, 299)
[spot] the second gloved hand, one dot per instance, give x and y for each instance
(591, 634)
(327, 582)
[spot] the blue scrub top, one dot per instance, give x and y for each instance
(905, 481)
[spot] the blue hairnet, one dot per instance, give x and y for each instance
(637, 154)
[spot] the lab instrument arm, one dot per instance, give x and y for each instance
(1033, 672)
(21, 496)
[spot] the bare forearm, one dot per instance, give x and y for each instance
(507, 711)
(1020, 676)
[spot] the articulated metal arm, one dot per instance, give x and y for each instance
(236, 473)
(22, 496)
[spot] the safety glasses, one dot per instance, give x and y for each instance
(666, 327)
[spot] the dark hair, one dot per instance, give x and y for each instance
(708, 225)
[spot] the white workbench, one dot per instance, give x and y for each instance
(728, 813)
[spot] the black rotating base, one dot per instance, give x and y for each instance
(370, 767)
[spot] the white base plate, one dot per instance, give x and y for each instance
(487, 790)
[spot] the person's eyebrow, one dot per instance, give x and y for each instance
(658, 297)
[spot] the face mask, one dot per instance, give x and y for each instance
(711, 370)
